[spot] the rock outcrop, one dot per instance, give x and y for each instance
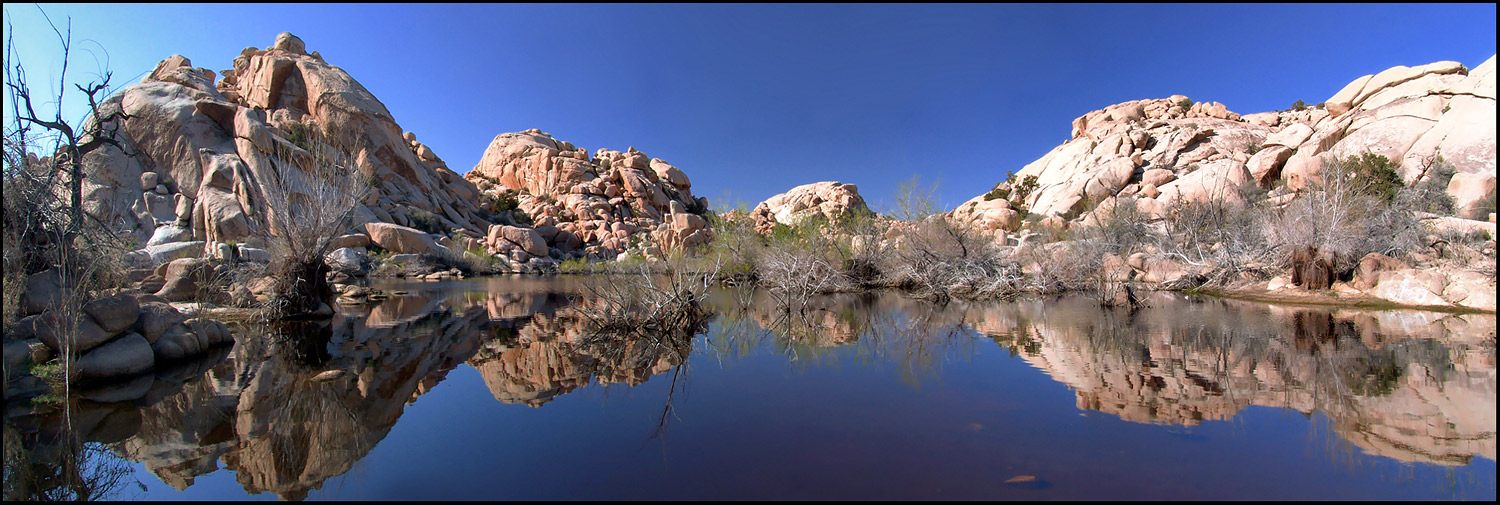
(586, 205)
(195, 155)
(830, 200)
(1162, 150)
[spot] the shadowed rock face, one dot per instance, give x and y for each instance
(1157, 151)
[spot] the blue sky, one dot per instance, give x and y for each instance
(750, 100)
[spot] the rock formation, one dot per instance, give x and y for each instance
(195, 155)
(116, 337)
(586, 205)
(1411, 385)
(1162, 150)
(831, 200)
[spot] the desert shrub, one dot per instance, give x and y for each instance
(1373, 175)
(1001, 190)
(1185, 104)
(1028, 184)
(426, 221)
(1119, 229)
(310, 202)
(651, 304)
(1430, 192)
(297, 134)
(504, 201)
(1299, 105)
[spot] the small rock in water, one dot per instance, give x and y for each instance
(1027, 482)
(328, 375)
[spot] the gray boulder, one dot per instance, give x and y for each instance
(190, 338)
(114, 314)
(127, 355)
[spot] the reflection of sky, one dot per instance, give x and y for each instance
(755, 425)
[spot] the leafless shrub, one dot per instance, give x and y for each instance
(794, 276)
(651, 304)
(309, 202)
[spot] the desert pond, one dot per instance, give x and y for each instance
(492, 389)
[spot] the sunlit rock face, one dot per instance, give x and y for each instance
(830, 200)
(1156, 151)
(1411, 385)
(206, 149)
(597, 201)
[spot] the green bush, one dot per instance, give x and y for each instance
(426, 221)
(997, 192)
(297, 134)
(1024, 189)
(1376, 174)
(504, 201)
(1430, 193)
(1186, 103)
(1299, 105)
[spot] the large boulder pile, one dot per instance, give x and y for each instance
(830, 200)
(1162, 150)
(195, 155)
(582, 204)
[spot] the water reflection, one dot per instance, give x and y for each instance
(287, 408)
(1410, 385)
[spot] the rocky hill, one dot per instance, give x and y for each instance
(196, 154)
(1161, 150)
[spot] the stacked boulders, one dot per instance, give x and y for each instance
(1156, 152)
(584, 205)
(829, 200)
(112, 336)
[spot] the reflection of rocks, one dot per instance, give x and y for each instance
(264, 416)
(1415, 386)
(551, 352)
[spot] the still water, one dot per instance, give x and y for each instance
(493, 389)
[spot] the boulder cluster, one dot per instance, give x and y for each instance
(1162, 150)
(188, 178)
(115, 336)
(830, 200)
(586, 205)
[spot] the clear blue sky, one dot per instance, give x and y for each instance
(755, 99)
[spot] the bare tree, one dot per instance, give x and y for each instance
(46, 230)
